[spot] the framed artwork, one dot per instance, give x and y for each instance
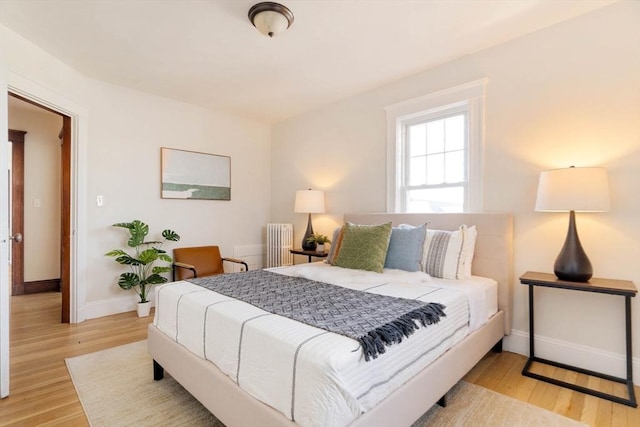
(193, 175)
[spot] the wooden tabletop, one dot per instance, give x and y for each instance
(308, 253)
(595, 284)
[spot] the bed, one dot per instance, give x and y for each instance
(236, 407)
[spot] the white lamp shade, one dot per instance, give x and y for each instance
(270, 23)
(573, 189)
(309, 201)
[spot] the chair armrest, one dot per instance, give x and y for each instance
(186, 267)
(237, 261)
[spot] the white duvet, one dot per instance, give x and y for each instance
(314, 377)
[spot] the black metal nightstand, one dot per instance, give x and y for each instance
(623, 288)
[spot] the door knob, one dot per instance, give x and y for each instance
(16, 237)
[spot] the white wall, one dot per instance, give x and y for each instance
(42, 183)
(565, 95)
(125, 130)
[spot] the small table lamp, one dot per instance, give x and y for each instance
(573, 189)
(309, 201)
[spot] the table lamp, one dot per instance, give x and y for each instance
(573, 189)
(309, 201)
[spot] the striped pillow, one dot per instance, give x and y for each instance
(336, 241)
(444, 253)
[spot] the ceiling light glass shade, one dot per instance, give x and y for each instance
(309, 201)
(573, 189)
(270, 18)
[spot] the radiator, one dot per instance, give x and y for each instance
(279, 243)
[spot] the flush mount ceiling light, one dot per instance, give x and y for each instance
(270, 18)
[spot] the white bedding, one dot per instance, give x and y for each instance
(314, 377)
(482, 292)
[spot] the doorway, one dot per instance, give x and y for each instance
(44, 250)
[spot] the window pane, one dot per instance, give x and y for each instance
(417, 170)
(418, 140)
(454, 131)
(451, 156)
(435, 169)
(436, 200)
(435, 136)
(454, 167)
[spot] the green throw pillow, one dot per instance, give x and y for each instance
(364, 247)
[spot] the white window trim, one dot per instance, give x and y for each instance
(472, 94)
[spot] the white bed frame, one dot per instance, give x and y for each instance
(493, 258)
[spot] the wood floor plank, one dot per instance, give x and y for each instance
(41, 390)
(42, 393)
(563, 405)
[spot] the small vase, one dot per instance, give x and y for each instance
(320, 248)
(143, 309)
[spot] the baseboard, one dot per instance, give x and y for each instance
(128, 302)
(585, 357)
(37, 286)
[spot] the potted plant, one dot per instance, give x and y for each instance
(144, 274)
(320, 240)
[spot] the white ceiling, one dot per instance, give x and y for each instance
(207, 53)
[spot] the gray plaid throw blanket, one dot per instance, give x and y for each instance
(375, 321)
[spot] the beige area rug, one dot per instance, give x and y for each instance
(116, 388)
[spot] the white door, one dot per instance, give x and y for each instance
(5, 291)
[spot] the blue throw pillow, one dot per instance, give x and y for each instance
(406, 247)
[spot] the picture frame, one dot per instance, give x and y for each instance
(194, 175)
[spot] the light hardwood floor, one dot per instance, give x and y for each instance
(42, 392)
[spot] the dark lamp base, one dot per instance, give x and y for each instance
(572, 263)
(573, 277)
(308, 246)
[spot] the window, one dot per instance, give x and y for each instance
(434, 152)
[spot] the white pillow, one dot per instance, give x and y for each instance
(444, 253)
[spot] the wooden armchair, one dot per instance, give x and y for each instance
(199, 261)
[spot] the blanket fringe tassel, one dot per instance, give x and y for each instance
(374, 343)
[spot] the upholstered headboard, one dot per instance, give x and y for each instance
(493, 253)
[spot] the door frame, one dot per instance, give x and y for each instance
(17, 210)
(28, 89)
(46, 98)
(17, 137)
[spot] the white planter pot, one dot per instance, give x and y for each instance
(320, 248)
(143, 309)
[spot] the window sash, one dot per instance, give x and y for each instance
(406, 142)
(406, 186)
(467, 97)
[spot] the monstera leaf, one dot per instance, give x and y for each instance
(170, 235)
(148, 256)
(128, 280)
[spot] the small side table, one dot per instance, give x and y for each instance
(623, 288)
(308, 253)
